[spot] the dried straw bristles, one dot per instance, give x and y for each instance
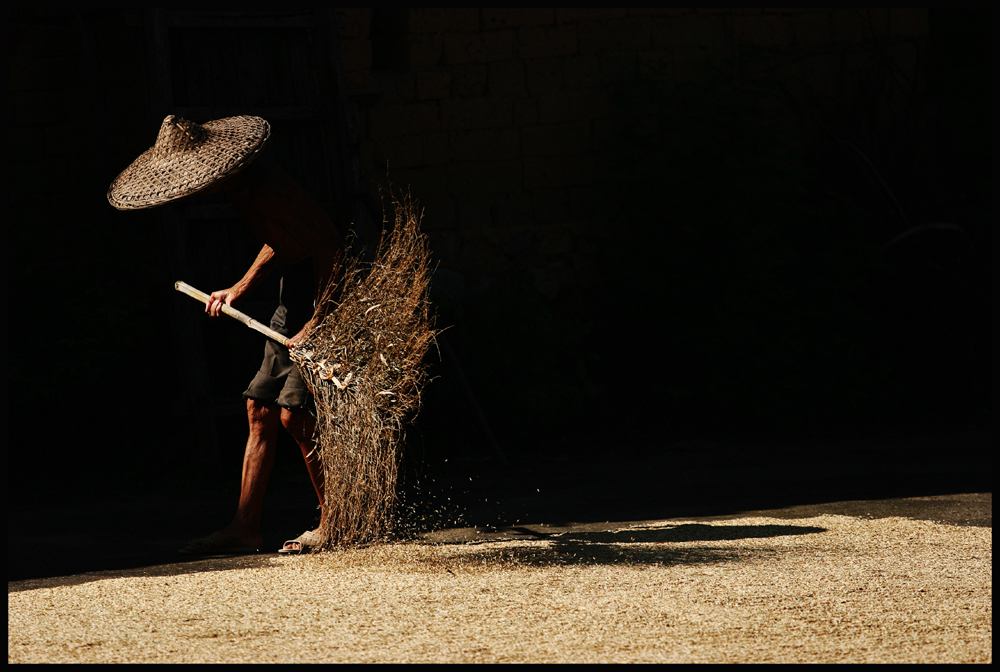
(365, 366)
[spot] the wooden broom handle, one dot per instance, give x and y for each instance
(182, 286)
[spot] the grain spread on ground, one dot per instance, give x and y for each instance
(823, 589)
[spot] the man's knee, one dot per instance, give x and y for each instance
(295, 421)
(260, 411)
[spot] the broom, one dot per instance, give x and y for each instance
(364, 364)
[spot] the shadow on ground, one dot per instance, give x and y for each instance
(920, 477)
(634, 546)
(688, 532)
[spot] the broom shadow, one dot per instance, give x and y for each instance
(634, 546)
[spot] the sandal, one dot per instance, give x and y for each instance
(307, 541)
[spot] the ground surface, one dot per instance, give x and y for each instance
(755, 588)
(877, 551)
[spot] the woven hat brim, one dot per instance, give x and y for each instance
(156, 178)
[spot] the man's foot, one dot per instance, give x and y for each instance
(304, 543)
(223, 542)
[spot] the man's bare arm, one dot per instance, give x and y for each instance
(265, 262)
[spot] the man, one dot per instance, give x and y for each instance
(300, 241)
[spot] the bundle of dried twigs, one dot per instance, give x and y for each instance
(365, 366)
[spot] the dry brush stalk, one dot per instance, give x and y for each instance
(365, 366)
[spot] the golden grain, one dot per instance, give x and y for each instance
(824, 589)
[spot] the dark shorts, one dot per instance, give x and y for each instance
(278, 381)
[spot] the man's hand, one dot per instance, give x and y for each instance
(296, 340)
(217, 299)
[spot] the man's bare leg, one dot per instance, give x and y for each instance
(258, 459)
(301, 426)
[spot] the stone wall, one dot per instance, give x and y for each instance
(500, 119)
(76, 88)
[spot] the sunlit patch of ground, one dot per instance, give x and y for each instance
(824, 589)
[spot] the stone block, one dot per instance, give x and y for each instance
(360, 81)
(658, 11)
(616, 66)
(480, 256)
(542, 76)
(581, 72)
(553, 277)
(906, 22)
(764, 30)
(813, 28)
(468, 80)
(655, 64)
(39, 74)
(428, 183)
(555, 172)
(433, 85)
(357, 23)
(581, 202)
(546, 41)
(68, 133)
(412, 151)
(549, 205)
(475, 145)
(606, 134)
(484, 178)
(446, 245)
(425, 51)
(496, 45)
(556, 139)
(689, 30)
(401, 151)
(626, 34)
(407, 119)
(439, 215)
(848, 26)
(493, 19)
(45, 40)
(508, 144)
(357, 54)
(505, 79)
(368, 156)
(32, 108)
(467, 114)
(579, 14)
(905, 58)
(556, 241)
(396, 87)
(690, 62)
(512, 209)
(447, 285)
(525, 112)
(577, 105)
(112, 38)
(877, 21)
(436, 149)
(443, 20)
(473, 213)
(521, 244)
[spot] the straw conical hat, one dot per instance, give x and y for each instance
(186, 158)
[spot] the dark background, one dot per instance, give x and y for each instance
(778, 267)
